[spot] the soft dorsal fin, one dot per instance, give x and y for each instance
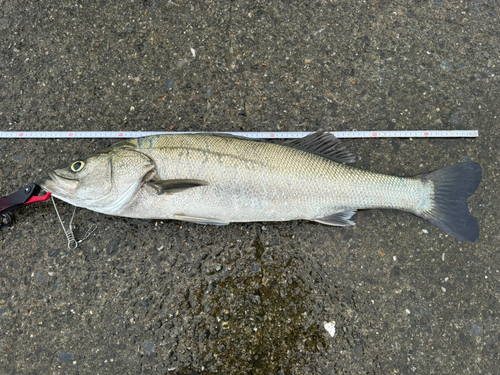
(175, 186)
(323, 144)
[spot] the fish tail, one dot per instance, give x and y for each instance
(448, 209)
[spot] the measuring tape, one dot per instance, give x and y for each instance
(261, 135)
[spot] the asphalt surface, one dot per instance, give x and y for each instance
(147, 297)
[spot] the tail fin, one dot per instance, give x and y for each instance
(452, 186)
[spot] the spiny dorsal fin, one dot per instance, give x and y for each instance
(323, 144)
(175, 186)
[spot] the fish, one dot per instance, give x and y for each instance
(220, 179)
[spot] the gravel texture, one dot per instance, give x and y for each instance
(147, 297)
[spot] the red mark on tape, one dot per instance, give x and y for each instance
(70, 134)
(21, 134)
(426, 134)
(374, 134)
(120, 135)
(271, 135)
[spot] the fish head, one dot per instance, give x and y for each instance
(103, 182)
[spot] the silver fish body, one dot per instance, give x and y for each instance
(217, 180)
(257, 181)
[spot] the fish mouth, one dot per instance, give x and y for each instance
(54, 183)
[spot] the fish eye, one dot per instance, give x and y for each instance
(77, 166)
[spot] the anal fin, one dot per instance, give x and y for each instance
(339, 219)
(199, 220)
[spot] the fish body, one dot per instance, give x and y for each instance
(222, 179)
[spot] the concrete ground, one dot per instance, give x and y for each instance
(147, 297)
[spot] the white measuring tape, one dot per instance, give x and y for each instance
(264, 135)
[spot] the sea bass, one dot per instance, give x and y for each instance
(219, 179)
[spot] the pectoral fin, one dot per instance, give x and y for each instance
(339, 219)
(199, 220)
(175, 186)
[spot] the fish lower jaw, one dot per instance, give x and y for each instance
(109, 209)
(69, 201)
